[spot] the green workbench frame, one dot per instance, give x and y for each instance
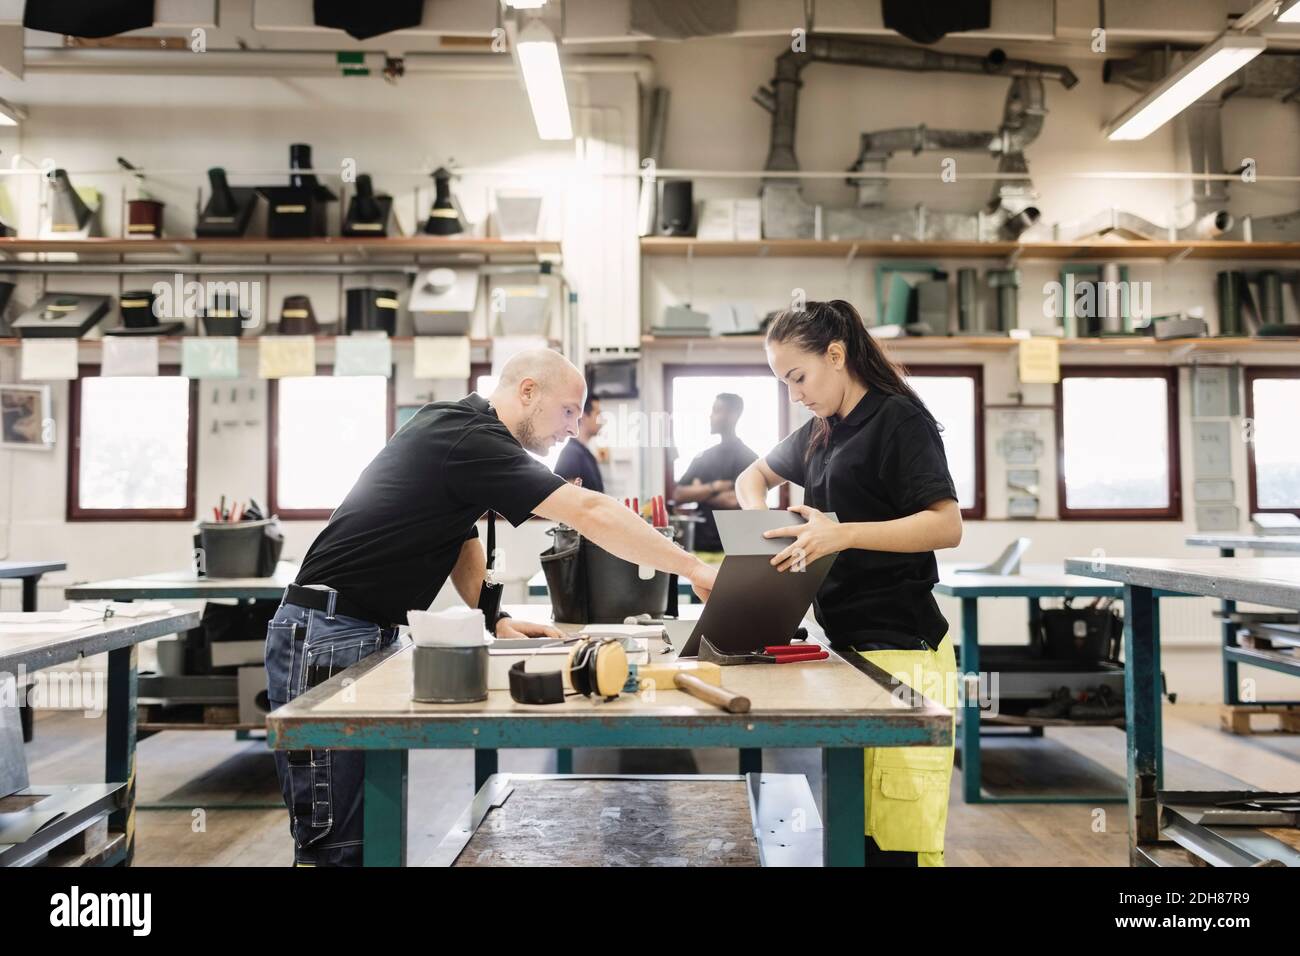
(969, 746)
(387, 742)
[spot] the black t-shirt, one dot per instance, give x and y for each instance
(577, 461)
(722, 462)
(884, 460)
(393, 541)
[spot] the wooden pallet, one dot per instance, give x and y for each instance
(151, 719)
(1235, 718)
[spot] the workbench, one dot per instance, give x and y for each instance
(838, 706)
(182, 586)
(533, 819)
(1033, 582)
(1233, 652)
(1273, 582)
(117, 637)
(29, 572)
(186, 585)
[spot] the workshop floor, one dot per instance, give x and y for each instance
(243, 823)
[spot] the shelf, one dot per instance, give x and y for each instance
(190, 249)
(250, 341)
(1099, 249)
(993, 343)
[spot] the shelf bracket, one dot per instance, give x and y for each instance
(1179, 256)
(853, 252)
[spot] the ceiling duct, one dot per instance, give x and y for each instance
(1011, 210)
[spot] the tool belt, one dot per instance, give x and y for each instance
(331, 602)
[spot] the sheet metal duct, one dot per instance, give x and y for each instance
(1011, 209)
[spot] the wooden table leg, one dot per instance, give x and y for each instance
(385, 808)
(844, 799)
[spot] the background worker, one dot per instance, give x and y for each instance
(576, 462)
(710, 478)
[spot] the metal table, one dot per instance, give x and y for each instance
(30, 573)
(1273, 582)
(182, 585)
(1034, 582)
(187, 585)
(1233, 652)
(838, 706)
(117, 637)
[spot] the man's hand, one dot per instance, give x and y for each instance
(702, 579)
(819, 537)
(509, 627)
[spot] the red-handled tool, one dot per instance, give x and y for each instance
(793, 653)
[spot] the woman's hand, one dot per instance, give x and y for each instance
(509, 627)
(816, 539)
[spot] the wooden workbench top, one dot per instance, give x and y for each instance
(835, 701)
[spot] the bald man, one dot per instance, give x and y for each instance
(405, 528)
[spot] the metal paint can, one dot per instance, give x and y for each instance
(449, 675)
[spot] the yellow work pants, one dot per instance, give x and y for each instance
(907, 787)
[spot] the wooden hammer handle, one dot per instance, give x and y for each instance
(717, 696)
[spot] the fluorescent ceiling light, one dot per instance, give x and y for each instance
(1202, 73)
(539, 61)
(1290, 13)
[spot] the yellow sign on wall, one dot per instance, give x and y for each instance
(1040, 361)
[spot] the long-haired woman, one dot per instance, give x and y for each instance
(872, 454)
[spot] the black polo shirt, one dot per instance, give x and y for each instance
(722, 462)
(393, 541)
(884, 460)
(577, 461)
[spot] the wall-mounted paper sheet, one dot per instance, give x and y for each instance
(363, 355)
(286, 356)
(442, 356)
(1040, 361)
(49, 360)
(210, 358)
(130, 355)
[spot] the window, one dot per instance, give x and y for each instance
(1273, 454)
(1117, 443)
(689, 391)
(955, 396)
(133, 447)
(324, 431)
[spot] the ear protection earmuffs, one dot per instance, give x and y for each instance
(596, 666)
